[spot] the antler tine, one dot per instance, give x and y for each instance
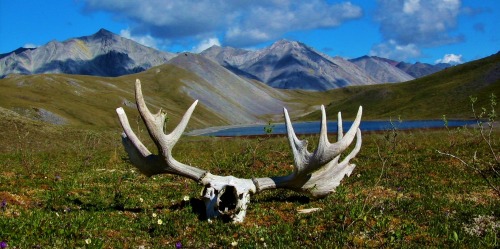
(356, 149)
(154, 122)
(340, 130)
(323, 133)
(299, 147)
(129, 134)
(322, 155)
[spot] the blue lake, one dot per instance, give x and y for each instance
(314, 127)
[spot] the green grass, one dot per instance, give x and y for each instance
(443, 93)
(72, 186)
(67, 188)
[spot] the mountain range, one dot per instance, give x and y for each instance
(294, 65)
(291, 65)
(284, 64)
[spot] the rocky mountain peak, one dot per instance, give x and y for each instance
(214, 47)
(285, 42)
(103, 35)
(102, 54)
(286, 45)
(213, 50)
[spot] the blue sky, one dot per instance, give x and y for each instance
(411, 30)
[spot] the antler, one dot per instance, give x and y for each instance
(317, 173)
(223, 195)
(141, 157)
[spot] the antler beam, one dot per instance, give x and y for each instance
(317, 173)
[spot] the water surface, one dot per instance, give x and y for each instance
(314, 127)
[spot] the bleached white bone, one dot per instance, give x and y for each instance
(317, 173)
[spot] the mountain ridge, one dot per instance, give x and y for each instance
(101, 54)
(284, 64)
(419, 69)
(383, 70)
(267, 65)
(291, 65)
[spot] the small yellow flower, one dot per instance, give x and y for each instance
(186, 198)
(154, 215)
(160, 222)
(141, 200)
(88, 241)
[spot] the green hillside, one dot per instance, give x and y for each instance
(443, 93)
(90, 102)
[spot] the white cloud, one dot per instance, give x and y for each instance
(391, 49)
(408, 26)
(424, 23)
(204, 44)
(145, 40)
(30, 45)
(265, 22)
(202, 19)
(451, 59)
(411, 6)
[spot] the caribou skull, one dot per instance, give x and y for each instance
(317, 173)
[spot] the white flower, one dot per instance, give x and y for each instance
(88, 241)
(234, 243)
(141, 200)
(160, 222)
(186, 198)
(154, 215)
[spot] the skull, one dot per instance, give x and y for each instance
(227, 196)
